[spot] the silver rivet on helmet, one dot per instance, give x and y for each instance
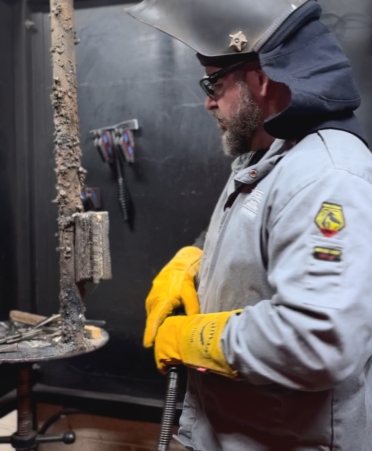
(238, 41)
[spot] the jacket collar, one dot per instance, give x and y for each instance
(248, 174)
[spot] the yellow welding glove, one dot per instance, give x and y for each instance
(194, 341)
(173, 288)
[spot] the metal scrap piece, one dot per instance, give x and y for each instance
(49, 320)
(92, 257)
(9, 348)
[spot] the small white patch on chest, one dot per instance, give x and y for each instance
(252, 202)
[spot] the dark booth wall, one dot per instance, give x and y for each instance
(7, 186)
(7, 167)
(127, 70)
(351, 22)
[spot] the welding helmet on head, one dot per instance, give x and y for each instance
(291, 43)
(217, 27)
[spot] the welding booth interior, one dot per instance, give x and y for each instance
(125, 71)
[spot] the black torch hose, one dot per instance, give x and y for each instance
(123, 199)
(123, 191)
(169, 410)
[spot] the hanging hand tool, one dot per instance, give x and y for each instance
(115, 144)
(124, 141)
(124, 197)
(105, 145)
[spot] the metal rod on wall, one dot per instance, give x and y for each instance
(70, 174)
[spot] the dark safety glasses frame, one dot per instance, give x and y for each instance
(208, 81)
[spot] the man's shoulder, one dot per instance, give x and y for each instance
(327, 159)
(326, 151)
(347, 153)
(333, 150)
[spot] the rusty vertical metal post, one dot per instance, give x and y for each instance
(70, 174)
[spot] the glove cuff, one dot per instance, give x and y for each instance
(200, 342)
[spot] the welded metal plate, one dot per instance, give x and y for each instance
(35, 350)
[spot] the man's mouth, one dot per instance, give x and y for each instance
(220, 120)
(222, 125)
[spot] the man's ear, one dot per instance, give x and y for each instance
(263, 81)
(259, 83)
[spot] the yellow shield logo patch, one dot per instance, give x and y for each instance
(330, 219)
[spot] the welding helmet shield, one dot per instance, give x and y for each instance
(217, 27)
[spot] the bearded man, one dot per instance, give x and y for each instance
(278, 335)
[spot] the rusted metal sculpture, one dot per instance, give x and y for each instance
(70, 174)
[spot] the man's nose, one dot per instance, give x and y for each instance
(210, 103)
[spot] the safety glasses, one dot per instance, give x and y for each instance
(208, 81)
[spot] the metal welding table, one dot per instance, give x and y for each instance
(25, 438)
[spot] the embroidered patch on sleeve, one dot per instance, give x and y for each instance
(327, 254)
(330, 219)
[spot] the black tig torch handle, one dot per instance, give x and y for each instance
(123, 198)
(169, 410)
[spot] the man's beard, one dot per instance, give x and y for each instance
(240, 128)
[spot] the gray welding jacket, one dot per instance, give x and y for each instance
(295, 253)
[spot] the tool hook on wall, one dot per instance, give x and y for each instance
(116, 146)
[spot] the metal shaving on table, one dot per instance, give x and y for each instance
(40, 335)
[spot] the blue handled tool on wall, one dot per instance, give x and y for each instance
(116, 146)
